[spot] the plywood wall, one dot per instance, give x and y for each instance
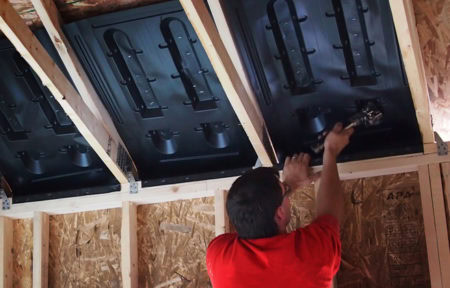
(84, 249)
(173, 238)
(433, 25)
(383, 241)
(23, 252)
(72, 10)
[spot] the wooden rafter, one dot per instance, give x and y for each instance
(248, 114)
(106, 145)
(52, 21)
(408, 39)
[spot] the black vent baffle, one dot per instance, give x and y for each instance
(43, 155)
(156, 81)
(335, 55)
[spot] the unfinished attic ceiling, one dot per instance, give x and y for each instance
(312, 63)
(154, 78)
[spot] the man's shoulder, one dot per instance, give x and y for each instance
(221, 240)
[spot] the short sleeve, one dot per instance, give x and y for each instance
(322, 237)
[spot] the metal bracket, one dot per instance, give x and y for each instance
(134, 189)
(442, 147)
(5, 201)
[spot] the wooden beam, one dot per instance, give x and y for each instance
(108, 148)
(445, 168)
(129, 246)
(248, 114)
(40, 249)
(6, 247)
(216, 8)
(207, 188)
(430, 227)
(51, 19)
(408, 39)
(440, 220)
(222, 223)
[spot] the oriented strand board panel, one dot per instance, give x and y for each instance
(173, 238)
(72, 10)
(383, 241)
(23, 253)
(84, 249)
(302, 208)
(433, 26)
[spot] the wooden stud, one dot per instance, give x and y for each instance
(430, 227)
(102, 142)
(40, 249)
(445, 168)
(51, 19)
(248, 114)
(6, 246)
(129, 245)
(222, 222)
(440, 220)
(408, 38)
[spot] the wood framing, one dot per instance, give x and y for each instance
(129, 248)
(207, 188)
(51, 19)
(445, 168)
(108, 147)
(436, 233)
(222, 223)
(6, 254)
(40, 249)
(440, 221)
(248, 114)
(408, 39)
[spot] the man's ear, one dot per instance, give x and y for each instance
(280, 215)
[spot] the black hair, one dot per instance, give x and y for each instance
(252, 202)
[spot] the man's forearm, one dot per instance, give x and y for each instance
(330, 196)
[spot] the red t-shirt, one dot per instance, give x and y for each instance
(305, 258)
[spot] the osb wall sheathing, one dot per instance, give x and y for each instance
(173, 238)
(433, 25)
(302, 208)
(84, 249)
(383, 241)
(72, 10)
(23, 253)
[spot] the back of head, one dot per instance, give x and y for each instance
(252, 202)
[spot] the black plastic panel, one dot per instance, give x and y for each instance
(42, 154)
(156, 81)
(312, 63)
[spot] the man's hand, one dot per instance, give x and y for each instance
(337, 139)
(296, 171)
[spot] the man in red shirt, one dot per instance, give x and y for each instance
(262, 253)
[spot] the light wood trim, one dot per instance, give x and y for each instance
(440, 220)
(6, 247)
(20, 35)
(408, 39)
(430, 227)
(40, 249)
(445, 168)
(51, 19)
(207, 188)
(222, 222)
(243, 105)
(129, 246)
(215, 6)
